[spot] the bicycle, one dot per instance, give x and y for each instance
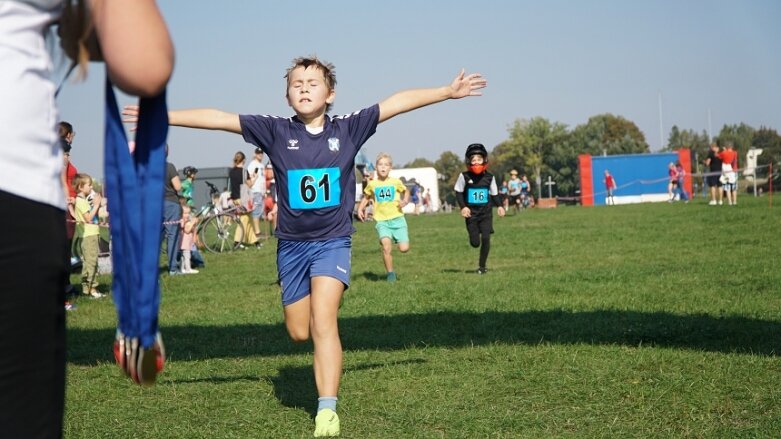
(218, 229)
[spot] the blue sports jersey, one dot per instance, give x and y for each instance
(314, 173)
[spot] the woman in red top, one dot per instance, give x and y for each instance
(729, 175)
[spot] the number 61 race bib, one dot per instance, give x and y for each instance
(313, 188)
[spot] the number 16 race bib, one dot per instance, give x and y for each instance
(477, 196)
(313, 188)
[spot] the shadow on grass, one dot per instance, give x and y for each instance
(372, 277)
(459, 329)
(295, 386)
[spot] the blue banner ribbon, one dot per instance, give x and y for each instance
(134, 188)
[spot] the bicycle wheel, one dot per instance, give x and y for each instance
(220, 233)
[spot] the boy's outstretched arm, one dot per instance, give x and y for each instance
(203, 118)
(408, 100)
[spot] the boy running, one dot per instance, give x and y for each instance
(391, 225)
(476, 192)
(313, 157)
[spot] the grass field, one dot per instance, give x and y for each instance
(646, 321)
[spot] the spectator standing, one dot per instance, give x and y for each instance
(713, 179)
(256, 180)
(610, 186)
(187, 184)
(172, 215)
(729, 172)
(680, 174)
(86, 206)
(188, 239)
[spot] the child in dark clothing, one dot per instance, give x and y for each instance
(476, 194)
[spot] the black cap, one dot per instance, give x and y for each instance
(258, 150)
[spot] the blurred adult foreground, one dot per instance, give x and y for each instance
(32, 315)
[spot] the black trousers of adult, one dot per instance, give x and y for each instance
(33, 275)
(479, 227)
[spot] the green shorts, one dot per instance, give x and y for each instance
(395, 229)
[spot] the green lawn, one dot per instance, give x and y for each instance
(644, 321)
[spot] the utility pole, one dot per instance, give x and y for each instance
(661, 130)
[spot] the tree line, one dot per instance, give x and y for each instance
(540, 148)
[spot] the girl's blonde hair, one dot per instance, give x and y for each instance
(80, 180)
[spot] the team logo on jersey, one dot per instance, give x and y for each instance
(292, 144)
(333, 144)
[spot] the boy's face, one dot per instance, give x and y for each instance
(476, 159)
(307, 92)
(383, 168)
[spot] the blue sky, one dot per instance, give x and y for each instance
(562, 60)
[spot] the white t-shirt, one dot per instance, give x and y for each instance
(31, 161)
(255, 169)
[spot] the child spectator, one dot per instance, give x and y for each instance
(672, 182)
(476, 191)
(610, 186)
(680, 174)
(391, 226)
(187, 184)
(313, 156)
(188, 239)
(86, 211)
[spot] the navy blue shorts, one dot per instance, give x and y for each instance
(299, 261)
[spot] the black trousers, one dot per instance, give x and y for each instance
(480, 228)
(33, 276)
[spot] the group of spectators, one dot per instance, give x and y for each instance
(723, 176)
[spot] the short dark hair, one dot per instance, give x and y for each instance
(327, 68)
(64, 129)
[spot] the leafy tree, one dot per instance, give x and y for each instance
(532, 149)
(697, 143)
(741, 137)
(419, 163)
(448, 166)
(770, 142)
(609, 134)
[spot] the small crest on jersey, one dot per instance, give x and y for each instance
(292, 143)
(333, 144)
(470, 181)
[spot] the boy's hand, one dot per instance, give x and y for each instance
(500, 211)
(130, 113)
(466, 212)
(463, 86)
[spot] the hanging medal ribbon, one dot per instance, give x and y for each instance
(134, 187)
